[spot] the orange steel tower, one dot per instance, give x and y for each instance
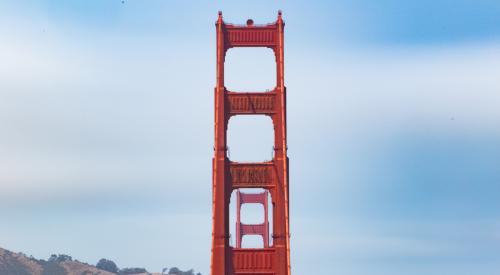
(271, 176)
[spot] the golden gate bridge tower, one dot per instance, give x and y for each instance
(272, 176)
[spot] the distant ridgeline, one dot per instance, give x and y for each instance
(19, 264)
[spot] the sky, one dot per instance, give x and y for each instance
(106, 131)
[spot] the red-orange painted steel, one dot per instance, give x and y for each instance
(271, 175)
(252, 229)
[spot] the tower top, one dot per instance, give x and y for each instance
(250, 22)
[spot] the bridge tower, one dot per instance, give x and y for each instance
(270, 175)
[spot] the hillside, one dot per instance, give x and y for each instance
(19, 264)
(12, 263)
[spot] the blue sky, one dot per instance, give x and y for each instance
(106, 131)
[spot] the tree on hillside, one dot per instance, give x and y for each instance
(176, 271)
(52, 258)
(132, 270)
(107, 265)
(59, 258)
(64, 257)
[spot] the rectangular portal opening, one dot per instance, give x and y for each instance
(247, 222)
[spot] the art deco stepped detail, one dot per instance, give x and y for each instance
(272, 176)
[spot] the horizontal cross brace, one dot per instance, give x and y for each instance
(253, 198)
(253, 260)
(253, 229)
(251, 103)
(252, 175)
(262, 36)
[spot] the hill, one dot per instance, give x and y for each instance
(19, 264)
(12, 263)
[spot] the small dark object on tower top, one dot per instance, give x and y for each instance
(249, 22)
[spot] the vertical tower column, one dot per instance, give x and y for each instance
(220, 264)
(280, 200)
